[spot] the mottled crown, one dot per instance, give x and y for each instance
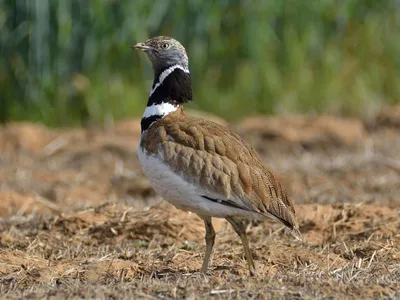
(159, 41)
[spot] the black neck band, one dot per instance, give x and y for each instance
(175, 88)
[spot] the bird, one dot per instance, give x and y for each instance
(201, 166)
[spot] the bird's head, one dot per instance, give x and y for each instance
(163, 52)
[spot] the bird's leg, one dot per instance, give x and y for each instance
(210, 238)
(241, 231)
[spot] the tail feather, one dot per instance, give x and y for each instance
(287, 216)
(297, 234)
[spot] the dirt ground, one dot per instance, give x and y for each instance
(79, 220)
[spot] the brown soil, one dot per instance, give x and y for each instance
(79, 220)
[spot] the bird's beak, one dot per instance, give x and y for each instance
(141, 46)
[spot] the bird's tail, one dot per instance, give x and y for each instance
(280, 212)
(296, 233)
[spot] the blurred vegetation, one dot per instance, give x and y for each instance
(65, 61)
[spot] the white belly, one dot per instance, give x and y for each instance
(182, 194)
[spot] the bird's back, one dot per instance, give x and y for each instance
(224, 167)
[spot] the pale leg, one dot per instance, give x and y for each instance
(241, 231)
(210, 238)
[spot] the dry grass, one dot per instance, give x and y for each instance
(73, 225)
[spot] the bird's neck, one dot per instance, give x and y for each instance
(172, 87)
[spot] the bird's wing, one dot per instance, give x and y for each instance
(219, 162)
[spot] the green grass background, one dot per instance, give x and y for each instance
(66, 61)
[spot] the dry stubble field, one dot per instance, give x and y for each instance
(78, 219)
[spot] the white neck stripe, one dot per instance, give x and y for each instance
(164, 74)
(168, 71)
(161, 109)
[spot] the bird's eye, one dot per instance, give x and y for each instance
(165, 45)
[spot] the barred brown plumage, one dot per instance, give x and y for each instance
(201, 166)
